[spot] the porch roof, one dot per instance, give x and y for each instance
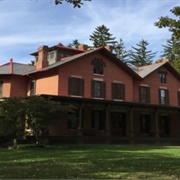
(109, 102)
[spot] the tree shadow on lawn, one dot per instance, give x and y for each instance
(110, 162)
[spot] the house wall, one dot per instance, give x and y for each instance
(14, 86)
(6, 91)
(83, 68)
(47, 82)
(152, 80)
(18, 86)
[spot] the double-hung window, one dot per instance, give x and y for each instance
(98, 66)
(118, 91)
(144, 94)
(98, 89)
(163, 96)
(76, 86)
(163, 77)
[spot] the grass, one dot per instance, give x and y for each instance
(91, 162)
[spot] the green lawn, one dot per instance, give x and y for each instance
(91, 162)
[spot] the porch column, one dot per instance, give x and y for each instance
(107, 122)
(157, 123)
(80, 133)
(131, 122)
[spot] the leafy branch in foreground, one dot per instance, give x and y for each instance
(76, 3)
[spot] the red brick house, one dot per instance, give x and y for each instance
(116, 102)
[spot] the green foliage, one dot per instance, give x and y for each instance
(91, 162)
(74, 44)
(11, 116)
(36, 111)
(120, 51)
(102, 37)
(176, 64)
(172, 49)
(76, 3)
(172, 24)
(140, 56)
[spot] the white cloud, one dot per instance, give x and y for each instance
(27, 24)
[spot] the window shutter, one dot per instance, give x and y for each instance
(123, 92)
(82, 87)
(113, 90)
(140, 96)
(92, 88)
(69, 86)
(178, 95)
(167, 97)
(159, 96)
(148, 95)
(103, 85)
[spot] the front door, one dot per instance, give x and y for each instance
(118, 124)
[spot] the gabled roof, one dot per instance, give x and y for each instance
(17, 68)
(83, 54)
(144, 71)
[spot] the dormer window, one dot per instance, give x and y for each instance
(98, 66)
(162, 77)
(51, 55)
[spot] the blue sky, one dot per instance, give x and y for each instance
(27, 24)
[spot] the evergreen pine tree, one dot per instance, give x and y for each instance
(140, 56)
(120, 51)
(102, 37)
(74, 44)
(170, 50)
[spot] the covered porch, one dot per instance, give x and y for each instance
(115, 122)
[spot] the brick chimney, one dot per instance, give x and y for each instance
(42, 57)
(83, 47)
(109, 48)
(11, 66)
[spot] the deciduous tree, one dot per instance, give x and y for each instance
(36, 111)
(11, 116)
(172, 49)
(76, 3)
(172, 24)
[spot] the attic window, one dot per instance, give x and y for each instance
(98, 66)
(162, 77)
(51, 55)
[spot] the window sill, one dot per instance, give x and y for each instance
(121, 100)
(98, 98)
(98, 74)
(76, 96)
